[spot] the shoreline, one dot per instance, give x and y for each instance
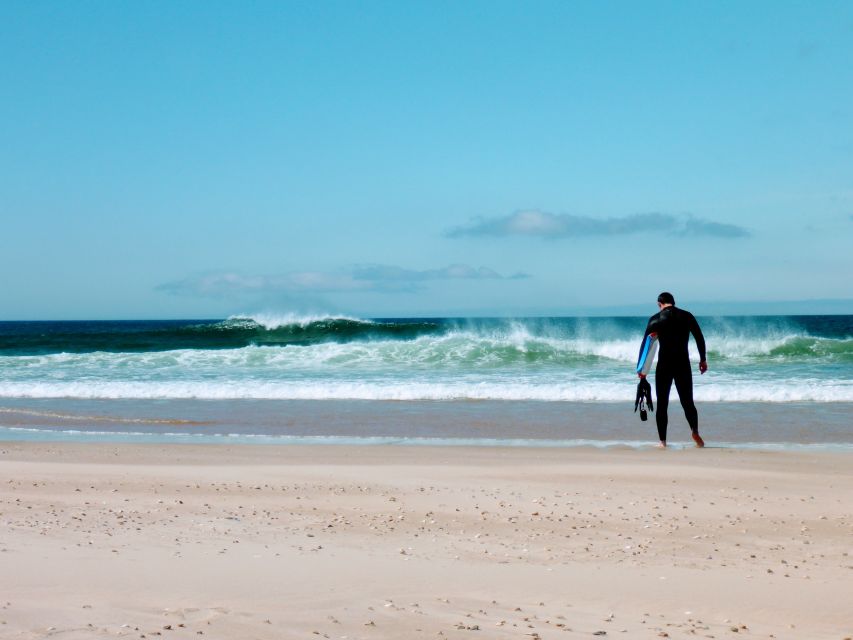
(316, 444)
(237, 541)
(30, 436)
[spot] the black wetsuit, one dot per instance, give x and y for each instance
(673, 327)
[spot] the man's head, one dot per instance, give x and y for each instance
(666, 298)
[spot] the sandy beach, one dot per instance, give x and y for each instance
(143, 541)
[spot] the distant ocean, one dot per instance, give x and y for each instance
(320, 370)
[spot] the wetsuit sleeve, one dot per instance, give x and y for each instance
(698, 337)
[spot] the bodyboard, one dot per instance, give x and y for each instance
(647, 355)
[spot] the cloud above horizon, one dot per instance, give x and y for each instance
(365, 277)
(542, 224)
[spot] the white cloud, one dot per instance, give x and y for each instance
(562, 225)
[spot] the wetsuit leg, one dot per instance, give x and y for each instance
(663, 383)
(684, 386)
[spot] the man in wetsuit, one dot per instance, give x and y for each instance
(673, 327)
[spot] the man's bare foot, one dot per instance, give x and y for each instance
(661, 445)
(698, 440)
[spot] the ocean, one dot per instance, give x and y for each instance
(772, 381)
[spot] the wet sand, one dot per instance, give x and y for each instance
(151, 541)
(229, 421)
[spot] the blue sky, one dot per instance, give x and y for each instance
(423, 158)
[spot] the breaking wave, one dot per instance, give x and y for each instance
(338, 357)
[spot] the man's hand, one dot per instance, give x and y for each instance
(641, 375)
(703, 367)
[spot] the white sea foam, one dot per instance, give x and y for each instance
(471, 389)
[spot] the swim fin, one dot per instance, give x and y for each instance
(644, 398)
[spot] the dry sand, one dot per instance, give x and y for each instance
(147, 541)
